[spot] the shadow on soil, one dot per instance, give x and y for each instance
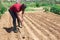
(10, 29)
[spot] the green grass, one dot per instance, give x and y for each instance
(29, 5)
(29, 9)
(2, 9)
(8, 4)
(54, 8)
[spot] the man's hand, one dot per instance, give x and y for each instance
(20, 16)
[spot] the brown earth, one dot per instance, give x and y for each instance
(37, 26)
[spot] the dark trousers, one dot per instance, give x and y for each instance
(14, 17)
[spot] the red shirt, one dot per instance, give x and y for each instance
(16, 7)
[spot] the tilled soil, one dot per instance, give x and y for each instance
(37, 26)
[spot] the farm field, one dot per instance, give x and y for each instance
(37, 26)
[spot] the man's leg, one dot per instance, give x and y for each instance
(18, 21)
(14, 19)
(14, 22)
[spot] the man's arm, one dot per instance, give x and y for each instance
(22, 13)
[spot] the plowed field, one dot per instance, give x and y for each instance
(37, 26)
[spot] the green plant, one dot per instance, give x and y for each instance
(55, 9)
(0, 15)
(37, 4)
(32, 4)
(2, 9)
(8, 4)
(46, 8)
(45, 4)
(29, 9)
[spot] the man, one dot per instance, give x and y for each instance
(15, 13)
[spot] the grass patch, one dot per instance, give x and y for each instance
(55, 9)
(2, 9)
(47, 7)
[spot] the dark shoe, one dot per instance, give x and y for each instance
(20, 26)
(15, 30)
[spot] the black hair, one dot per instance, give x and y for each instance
(23, 6)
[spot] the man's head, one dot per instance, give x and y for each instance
(17, 1)
(23, 6)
